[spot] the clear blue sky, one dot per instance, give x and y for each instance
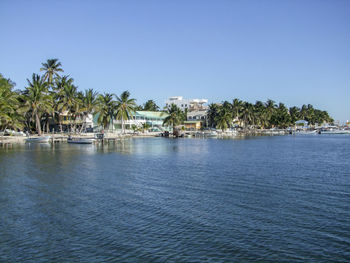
(297, 52)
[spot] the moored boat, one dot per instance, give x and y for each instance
(211, 134)
(41, 139)
(80, 140)
(305, 132)
(334, 131)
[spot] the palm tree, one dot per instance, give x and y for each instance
(69, 101)
(260, 114)
(51, 68)
(281, 117)
(89, 103)
(125, 108)
(37, 99)
(10, 115)
(145, 126)
(303, 112)
(248, 114)
(150, 105)
(224, 118)
(175, 117)
(237, 107)
(294, 114)
(105, 108)
(213, 111)
(270, 108)
(59, 94)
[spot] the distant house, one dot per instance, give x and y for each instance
(68, 121)
(302, 124)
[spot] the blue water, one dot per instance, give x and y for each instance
(259, 199)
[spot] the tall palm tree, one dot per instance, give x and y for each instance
(248, 115)
(213, 111)
(69, 101)
(270, 107)
(60, 82)
(175, 117)
(89, 103)
(51, 68)
(37, 99)
(237, 107)
(303, 112)
(224, 118)
(59, 94)
(125, 108)
(150, 105)
(281, 117)
(294, 114)
(105, 108)
(260, 114)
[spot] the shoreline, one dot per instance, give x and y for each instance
(6, 140)
(58, 138)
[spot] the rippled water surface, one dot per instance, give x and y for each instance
(262, 199)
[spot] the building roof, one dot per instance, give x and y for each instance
(301, 122)
(152, 114)
(191, 122)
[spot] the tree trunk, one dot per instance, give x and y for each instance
(38, 126)
(83, 124)
(60, 123)
(123, 129)
(2, 137)
(112, 124)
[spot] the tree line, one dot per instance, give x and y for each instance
(262, 115)
(50, 97)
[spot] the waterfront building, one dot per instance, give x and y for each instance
(195, 117)
(68, 122)
(193, 125)
(154, 119)
(187, 104)
(302, 124)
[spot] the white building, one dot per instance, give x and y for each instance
(190, 104)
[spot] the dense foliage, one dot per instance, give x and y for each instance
(262, 115)
(53, 101)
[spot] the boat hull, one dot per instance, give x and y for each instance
(45, 139)
(80, 141)
(335, 132)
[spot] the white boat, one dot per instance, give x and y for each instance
(80, 140)
(41, 139)
(188, 135)
(337, 131)
(211, 134)
(306, 132)
(229, 133)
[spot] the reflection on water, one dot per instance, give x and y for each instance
(267, 199)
